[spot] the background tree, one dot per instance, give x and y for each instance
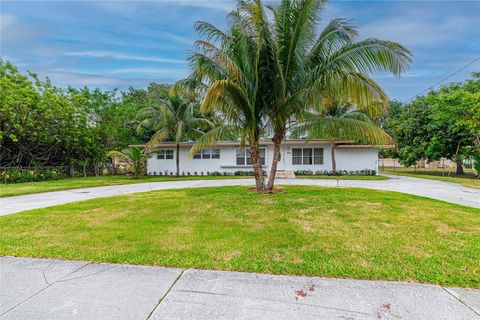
(410, 130)
(42, 125)
(442, 124)
(451, 135)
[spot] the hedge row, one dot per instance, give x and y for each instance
(205, 173)
(365, 172)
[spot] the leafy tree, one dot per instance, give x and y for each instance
(43, 125)
(18, 115)
(410, 130)
(451, 134)
(174, 118)
(394, 109)
(442, 124)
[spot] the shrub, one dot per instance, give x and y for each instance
(19, 175)
(364, 172)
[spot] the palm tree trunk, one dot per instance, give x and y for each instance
(334, 161)
(257, 167)
(177, 158)
(277, 142)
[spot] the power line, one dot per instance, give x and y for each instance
(446, 78)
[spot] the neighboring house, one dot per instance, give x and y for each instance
(295, 155)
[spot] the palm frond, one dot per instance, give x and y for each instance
(210, 32)
(211, 137)
(360, 116)
(345, 129)
(373, 55)
(337, 34)
(114, 153)
(160, 136)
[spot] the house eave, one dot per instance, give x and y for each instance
(338, 143)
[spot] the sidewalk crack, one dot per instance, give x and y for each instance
(459, 300)
(44, 275)
(166, 293)
(41, 290)
(87, 275)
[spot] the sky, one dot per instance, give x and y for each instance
(118, 44)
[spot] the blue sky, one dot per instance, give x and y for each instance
(117, 44)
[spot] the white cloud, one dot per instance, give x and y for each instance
(14, 32)
(225, 5)
(172, 36)
(6, 21)
(121, 56)
(417, 73)
(81, 79)
(78, 79)
(178, 72)
(417, 28)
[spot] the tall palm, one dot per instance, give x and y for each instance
(305, 67)
(226, 67)
(174, 118)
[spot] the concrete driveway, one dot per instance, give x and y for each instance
(58, 289)
(450, 192)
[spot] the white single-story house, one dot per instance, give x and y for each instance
(295, 155)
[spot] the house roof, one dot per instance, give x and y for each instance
(340, 143)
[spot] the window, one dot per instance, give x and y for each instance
(318, 156)
(307, 156)
(207, 154)
(243, 156)
(297, 156)
(215, 153)
(164, 154)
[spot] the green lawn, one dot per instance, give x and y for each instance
(16, 189)
(468, 179)
(74, 183)
(330, 232)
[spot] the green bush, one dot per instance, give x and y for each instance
(19, 175)
(364, 172)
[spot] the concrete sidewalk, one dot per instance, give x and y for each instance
(57, 289)
(445, 191)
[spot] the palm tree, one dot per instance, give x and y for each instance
(304, 67)
(174, 118)
(339, 120)
(135, 158)
(226, 68)
(271, 75)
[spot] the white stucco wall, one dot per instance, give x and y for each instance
(347, 159)
(356, 159)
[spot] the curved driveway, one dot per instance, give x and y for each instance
(450, 192)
